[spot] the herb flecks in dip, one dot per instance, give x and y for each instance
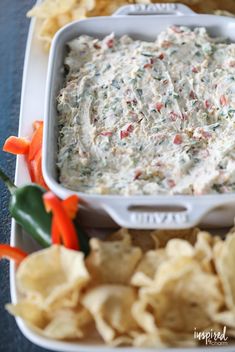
(148, 117)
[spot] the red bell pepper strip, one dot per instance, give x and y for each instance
(55, 232)
(30, 169)
(16, 145)
(36, 141)
(34, 157)
(32, 151)
(36, 170)
(63, 222)
(70, 204)
(10, 252)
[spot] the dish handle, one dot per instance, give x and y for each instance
(166, 215)
(154, 9)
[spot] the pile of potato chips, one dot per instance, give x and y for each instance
(54, 14)
(136, 288)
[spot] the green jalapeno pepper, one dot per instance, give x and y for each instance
(27, 208)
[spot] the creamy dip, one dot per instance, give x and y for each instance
(141, 117)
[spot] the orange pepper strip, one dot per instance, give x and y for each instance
(16, 145)
(70, 204)
(36, 142)
(63, 222)
(30, 168)
(36, 170)
(10, 252)
(37, 124)
(55, 232)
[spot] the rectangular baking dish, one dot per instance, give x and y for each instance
(144, 212)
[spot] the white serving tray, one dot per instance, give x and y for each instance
(32, 107)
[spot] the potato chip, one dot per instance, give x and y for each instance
(177, 297)
(149, 340)
(112, 262)
(161, 237)
(203, 250)
(226, 318)
(120, 235)
(121, 341)
(142, 312)
(90, 4)
(179, 339)
(51, 8)
(53, 277)
(110, 305)
(30, 312)
(147, 267)
(142, 239)
(64, 19)
(57, 13)
(106, 7)
(68, 324)
(47, 31)
(179, 248)
(138, 238)
(224, 259)
(165, 338)
(78, 13)
(56, 324)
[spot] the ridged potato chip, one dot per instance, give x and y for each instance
(164, 338)
(147, 267)
(53, 277)
(176, 300)
(54, 14)
(224, 259)
(161, 237)
(204, 250)
(110, 305)
(176, 247)
(112, 262)
(60, 324)
(138, 238)
(68, 324)
(179, 248)
(47, 31)
(149, 340)
(33, 314)
(142, 239)
(226, 318)
(120, 235)
(51, 8)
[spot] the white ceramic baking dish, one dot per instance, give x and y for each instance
(140, 22)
